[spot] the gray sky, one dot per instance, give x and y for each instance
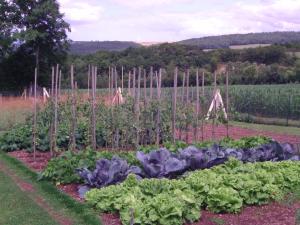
(173, 20)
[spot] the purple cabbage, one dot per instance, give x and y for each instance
(161, 163)
(108, 172)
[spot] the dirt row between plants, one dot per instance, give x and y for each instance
(30, 191)
(236, 132)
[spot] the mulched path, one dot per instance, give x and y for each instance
(272, 214)
(236, 132)
(38, 165)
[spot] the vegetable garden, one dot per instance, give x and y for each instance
(135, 156)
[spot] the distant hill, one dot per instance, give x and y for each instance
(89, 47)
(225, 41)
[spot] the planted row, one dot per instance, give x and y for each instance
(62, 169)
(224, 188)
(164, 164)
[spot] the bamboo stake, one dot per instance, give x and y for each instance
(73, 124)
(34, 116)
(151, 82)
(174, 105)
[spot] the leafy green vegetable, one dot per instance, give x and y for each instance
(224, 188)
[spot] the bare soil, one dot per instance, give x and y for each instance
(220, 131)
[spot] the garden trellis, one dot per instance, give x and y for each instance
(137, 109)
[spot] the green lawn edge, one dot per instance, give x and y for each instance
(287, 130)
(80, 211)
(18, 208)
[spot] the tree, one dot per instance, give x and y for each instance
(41, 27)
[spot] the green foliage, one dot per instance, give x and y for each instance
(224, 188)
(17, 138)
(41, 33)
(244, 142)
(62, 168)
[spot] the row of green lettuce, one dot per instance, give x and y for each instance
(225, 188)
(62, 168)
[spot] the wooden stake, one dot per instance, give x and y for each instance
(122, 78)
(134, 82)
(137, 105)
(73, 110)
(55, 109)
(129, 84)
(145, 86)
(227, 106)
(197, 104)
(187, 85)
(34, 116)
(151, 82)
(174, 105)
(94, 79)
(116, 80)
(109, 77)
(203, 83)
(59, 84)
(52, 111)
(158, 108)
(215, 110)
(182, 91)
(88, 83)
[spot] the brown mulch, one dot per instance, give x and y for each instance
(236, 132)
(272, 214)
(38, 165)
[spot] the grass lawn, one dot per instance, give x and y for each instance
(17, 208)
(271, 128)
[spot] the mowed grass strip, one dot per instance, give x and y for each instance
(18, 208)
(271, 128)
(79, 213)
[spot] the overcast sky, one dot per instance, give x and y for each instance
(173, 20)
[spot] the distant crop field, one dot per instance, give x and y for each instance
(248, 46)
(297, 54)
(13, 110)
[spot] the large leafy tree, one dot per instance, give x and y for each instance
(39, 31)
